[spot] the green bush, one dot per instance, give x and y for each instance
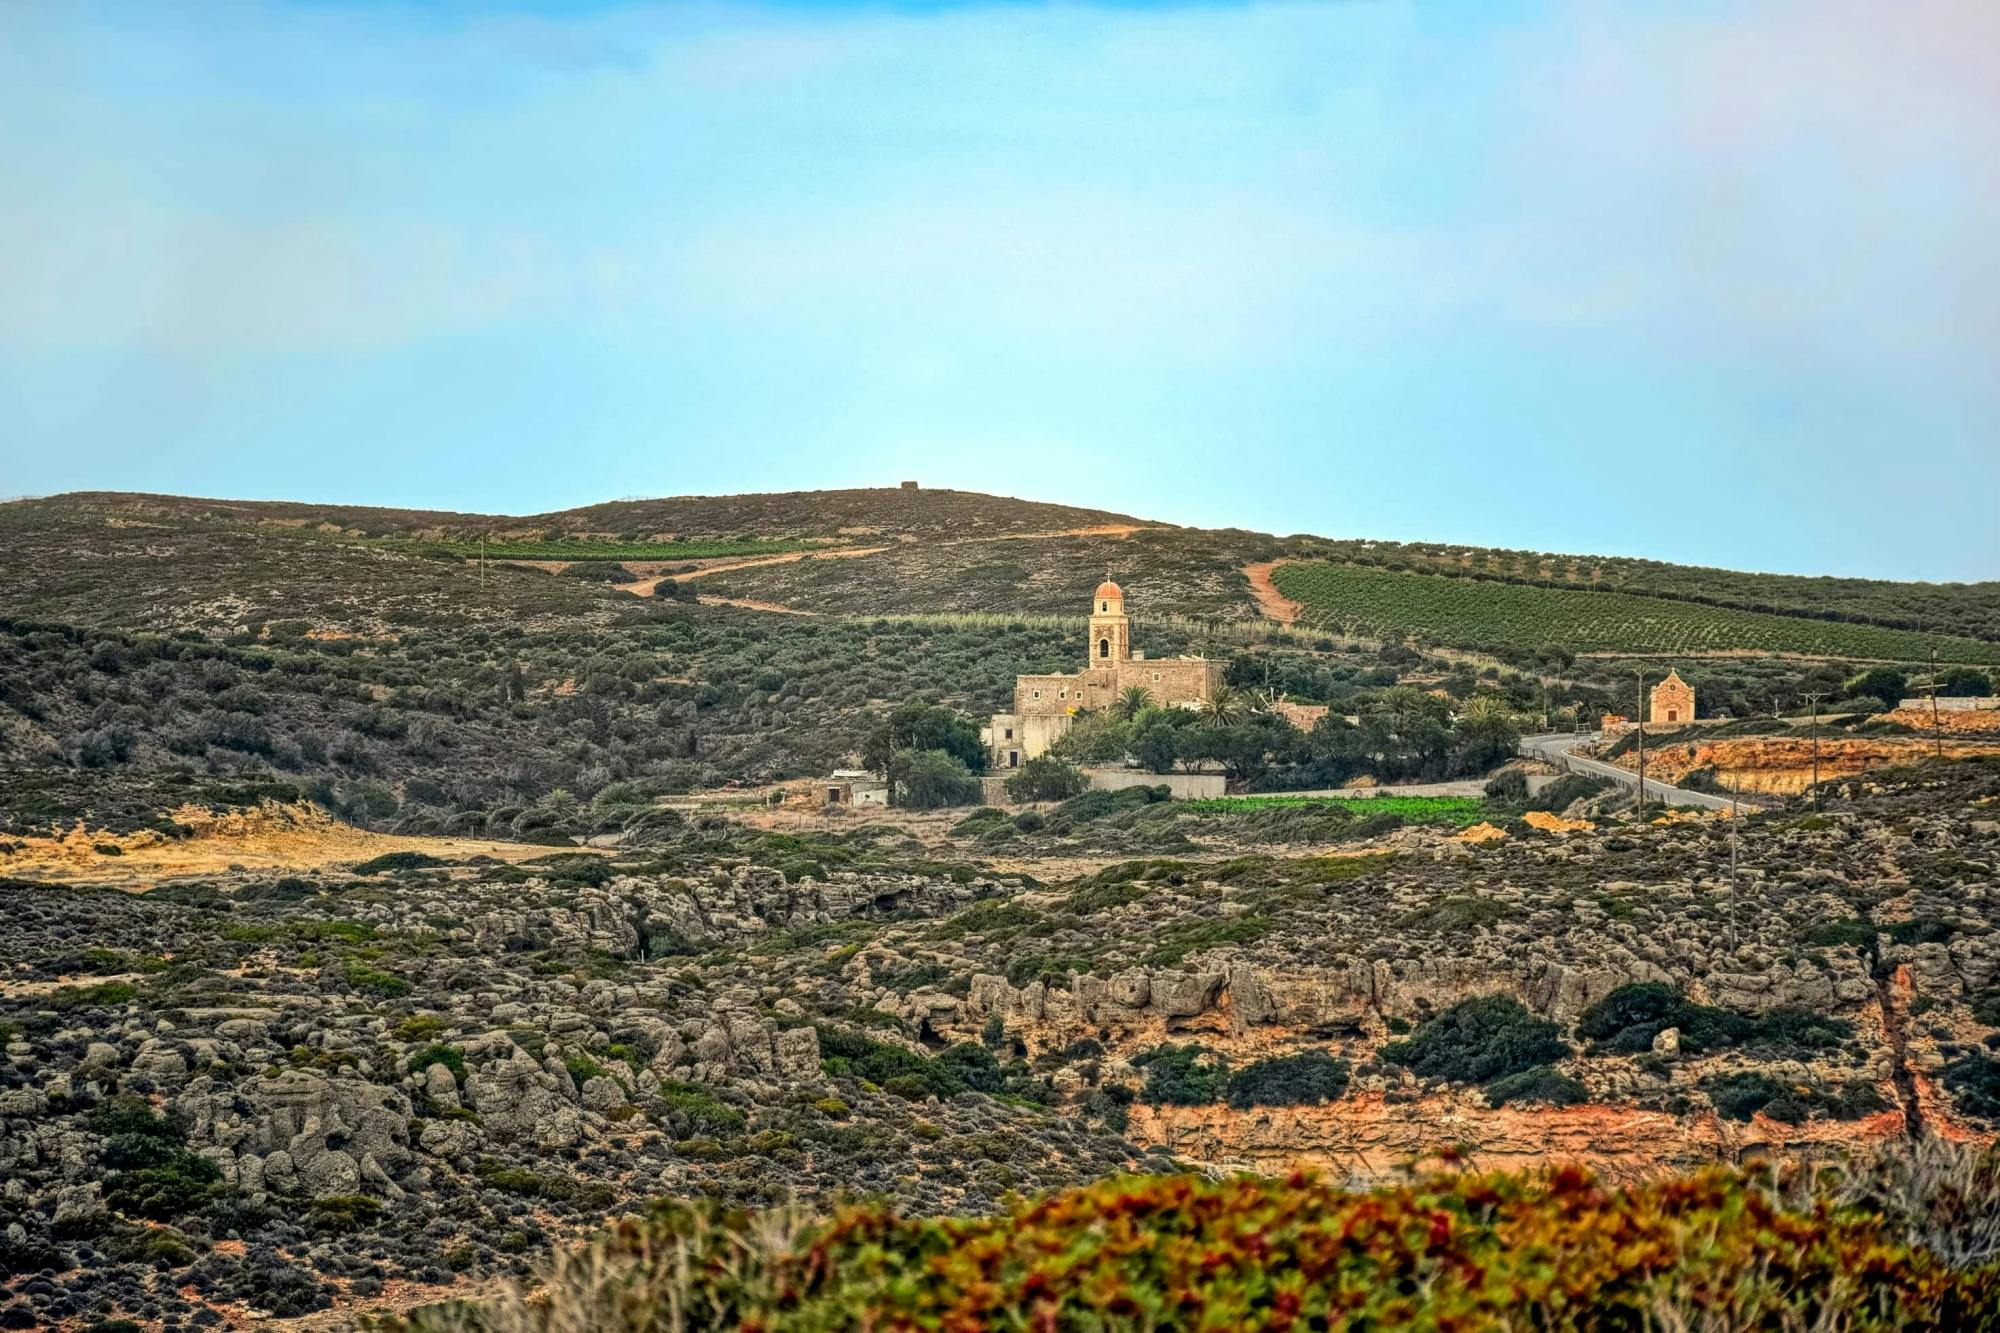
(103, 995)
(182, 1183)
(846, 1053)
(600, 571)
(932, 780)
(1479, 1040)
(1629, 1018)
(1541, 1084)
(340, 1214)
(399, 861)
(695, 1110)
(451, 1057)
(1566, 791)
(374, 981)
(1045, 778)
(1182, 1076)
(1306, 1079)
(1974, 1081)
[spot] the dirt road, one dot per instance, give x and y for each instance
(1274, 604)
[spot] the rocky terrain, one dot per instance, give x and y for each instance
(376, 920)
(358, 1086)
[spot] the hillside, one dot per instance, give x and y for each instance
(382, 921)
(180, 563)
(1469, 612)
(1967, 609)
(862, 512)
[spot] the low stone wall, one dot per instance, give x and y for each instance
(1184, 786)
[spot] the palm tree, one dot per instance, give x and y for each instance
(1225, 708)
(1132, 701)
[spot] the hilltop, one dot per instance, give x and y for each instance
(109, 558)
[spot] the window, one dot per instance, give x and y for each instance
(1104, 647)
(1104, 606)
(1009, 736)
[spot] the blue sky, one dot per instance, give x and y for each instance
(1716, 283)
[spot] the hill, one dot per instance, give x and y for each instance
(167, 562)
(1467, 612)
(858, 512)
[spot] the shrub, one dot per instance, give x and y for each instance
(104, 995)
(1566, 791)
(1046, 779)
(181, 1183)
(1974, 1081)
(1182, 1076)
(1557, 1250)
(1630, 1017)
(932, 780)
(1176, 942)
(695, 1110)
(374, 981)
(845, 1053)
(339, 1214)
(450, 1057)
(1479, 1040)
(1305, 1079)
(600, 571)
(399, 861)
(1541, 1084)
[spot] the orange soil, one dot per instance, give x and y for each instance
(1783, 765)
(1273, 604)
(1952, 722)
(272, 837)
(1368, 1136)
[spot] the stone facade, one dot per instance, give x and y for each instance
(1672, 701)
(1045, 704)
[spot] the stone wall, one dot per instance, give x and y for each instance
(1184, 786)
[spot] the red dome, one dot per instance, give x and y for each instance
(1109, 591)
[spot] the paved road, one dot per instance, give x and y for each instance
(1557, 747)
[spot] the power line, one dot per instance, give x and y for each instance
(1813, 697)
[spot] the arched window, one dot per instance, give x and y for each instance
(1104, 647)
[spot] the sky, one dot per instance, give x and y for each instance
(1717, 283)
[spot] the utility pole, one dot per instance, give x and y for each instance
(1813, 698)
(1937, 727)
(1735, 789)
(1639, 720)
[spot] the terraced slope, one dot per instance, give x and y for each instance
(1971, 610)
(1479, 613)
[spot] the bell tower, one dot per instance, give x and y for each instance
(1110, 629)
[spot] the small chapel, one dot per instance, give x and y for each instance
(1672, 701)
(1044, 706)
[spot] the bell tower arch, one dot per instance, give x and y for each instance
(1110, 628)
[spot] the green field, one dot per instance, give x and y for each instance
(1482, 614)
(1459, 811)
(599, 550)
